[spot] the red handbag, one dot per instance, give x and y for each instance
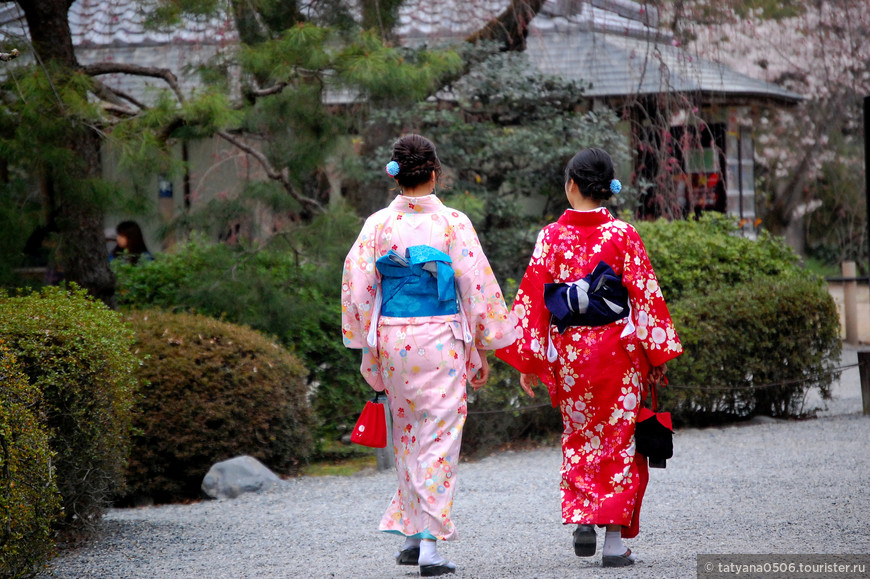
(654, 434)
(371, 427)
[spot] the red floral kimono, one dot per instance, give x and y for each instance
(597, 373)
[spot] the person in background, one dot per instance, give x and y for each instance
(595, 329)
(420, 299)
(130, 244)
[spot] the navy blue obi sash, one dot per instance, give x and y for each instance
(418, 284)
(596, 300)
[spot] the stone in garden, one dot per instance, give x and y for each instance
(233, 477)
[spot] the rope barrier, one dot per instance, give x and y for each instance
(838, 370)
(832, 371)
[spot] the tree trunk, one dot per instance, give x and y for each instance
(82, 253)
(511, 27)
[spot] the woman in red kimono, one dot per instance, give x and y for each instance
(595, 329)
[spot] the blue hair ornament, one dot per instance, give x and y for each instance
(392, 168)
(615, 186)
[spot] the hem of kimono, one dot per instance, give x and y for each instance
(632, 528)
(425, 535)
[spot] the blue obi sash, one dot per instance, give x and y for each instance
(418, 284)
(596, 300)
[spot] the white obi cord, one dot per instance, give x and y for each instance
(372, 338)
(582, 300)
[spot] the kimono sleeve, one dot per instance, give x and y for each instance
(529, 353)
(489, 320)
(358, 289)
(649, 312)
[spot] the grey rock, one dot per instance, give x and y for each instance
(233, 477)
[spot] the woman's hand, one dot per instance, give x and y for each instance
(482, 375)
(527, 381)
(657, 376)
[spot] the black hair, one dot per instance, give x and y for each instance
(592, 171)
(417, 159)
(135, 241)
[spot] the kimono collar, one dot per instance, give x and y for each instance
(592, 218)
(424, 204)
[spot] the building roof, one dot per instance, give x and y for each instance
(615, 45)
(619, 65)
(116, 23)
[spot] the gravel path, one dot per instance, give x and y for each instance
(765, 487)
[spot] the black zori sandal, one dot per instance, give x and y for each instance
(623, 560)
(442, 568)
(408, 556)
(584, 540)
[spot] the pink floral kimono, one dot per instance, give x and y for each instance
(423, 363)
(595, 374)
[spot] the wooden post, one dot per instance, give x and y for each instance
(385, 456)
(850, 302)
(864, 371)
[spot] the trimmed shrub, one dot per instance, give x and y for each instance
(211, 391)
(698, 256)
(77, 353)
(29, 500)
(753, 349)
(290, 289)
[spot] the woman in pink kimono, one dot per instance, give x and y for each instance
(420, 299)
(595, 329)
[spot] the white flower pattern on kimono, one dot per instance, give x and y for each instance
(602, 476)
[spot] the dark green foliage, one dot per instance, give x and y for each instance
(754, 349)
(837, 230)
(29, 500)
(501, 413)
(290, 290)
(691, 257)
(211, 391)
(77, 353)
(747, 314)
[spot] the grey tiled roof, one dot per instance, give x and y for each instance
(105, 23)
(115, 31)
(619, 65)
(613, 44)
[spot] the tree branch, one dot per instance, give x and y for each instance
(261, 92)
(511, 27)
(281, 177)
(167, 75)
(113, 96)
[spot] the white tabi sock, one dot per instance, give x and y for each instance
(613, 545)
(429, 553)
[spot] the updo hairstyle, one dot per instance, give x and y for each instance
(592, 171)
(417, 159)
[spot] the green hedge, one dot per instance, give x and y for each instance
(696, 257)
(77, 353)
(754, 349)
(29, 500)
(290, 289)
(211, 391)
(749, 317)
